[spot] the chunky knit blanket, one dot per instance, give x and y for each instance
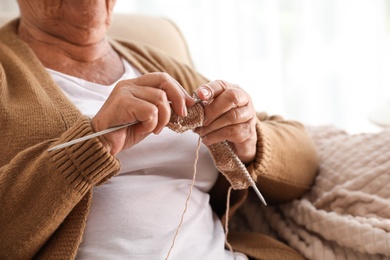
(346, 215)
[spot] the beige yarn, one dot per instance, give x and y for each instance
(223, 155)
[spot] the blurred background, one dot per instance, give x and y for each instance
(317, 61)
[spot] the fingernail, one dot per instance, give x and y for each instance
(185, 112)
(205, 92)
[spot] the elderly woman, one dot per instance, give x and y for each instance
(119, 196)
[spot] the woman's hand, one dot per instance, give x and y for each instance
(229, 116)
(148, 99)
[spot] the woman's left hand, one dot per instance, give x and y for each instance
(229, 116)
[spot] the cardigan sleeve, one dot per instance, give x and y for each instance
(39, 188)
(286, 162)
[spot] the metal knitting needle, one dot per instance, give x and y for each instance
(106, 131)
(87, 137)
(253, 185)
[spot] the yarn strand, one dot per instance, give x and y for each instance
(187, 200)
(227, 220)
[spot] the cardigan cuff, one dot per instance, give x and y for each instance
(87, 163)
(261, 164)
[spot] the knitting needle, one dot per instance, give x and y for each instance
(87, 137)
(106, 131)
(253, 185)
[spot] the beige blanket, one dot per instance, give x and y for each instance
(346, 215)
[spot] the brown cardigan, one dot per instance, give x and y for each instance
(45, 196)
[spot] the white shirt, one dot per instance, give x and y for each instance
(136, 213)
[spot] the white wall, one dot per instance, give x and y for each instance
(9, 6)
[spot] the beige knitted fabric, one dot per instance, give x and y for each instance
(223, 155)
(193, 120)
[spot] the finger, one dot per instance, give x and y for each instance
(123, 106)
(189, 99)
(226, 101)
(121, 102)
(232, 117)
(115, 113)
(213, 89)
(237, 134)
(175, 92)
(157, 98)
(145, 112)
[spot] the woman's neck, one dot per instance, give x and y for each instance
(93, 60)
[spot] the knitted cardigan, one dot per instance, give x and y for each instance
(45, 196)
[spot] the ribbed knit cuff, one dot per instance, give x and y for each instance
(84, 164)
(263, 158)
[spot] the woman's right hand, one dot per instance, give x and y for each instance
(148, 99)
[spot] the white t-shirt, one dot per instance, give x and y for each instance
(136, 213)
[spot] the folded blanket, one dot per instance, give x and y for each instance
(346, 214)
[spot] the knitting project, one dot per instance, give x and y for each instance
(223, 155)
